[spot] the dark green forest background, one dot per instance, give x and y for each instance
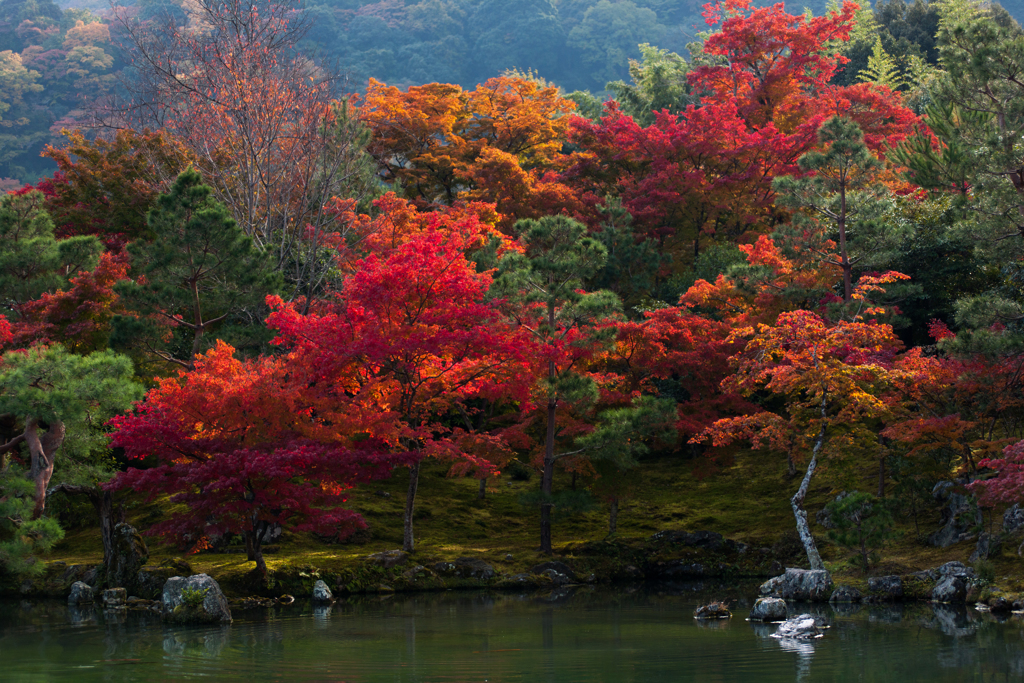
(55, 61)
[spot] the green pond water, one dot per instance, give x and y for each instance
(647, 635)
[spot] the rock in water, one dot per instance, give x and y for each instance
(321, 593)
(768, 609)
(802, 627)
(197, 599)
(886, 587)
(81, 594)
(130, 554)
(811, 585)
(714, 610)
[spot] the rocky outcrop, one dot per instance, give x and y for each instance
(768, 609)
(129, 555)
(960, 513)
(809, 585)
(197, 599)
(81, 594)
(989, 545)
(321, 593)
(1013, 519)
(886, 587)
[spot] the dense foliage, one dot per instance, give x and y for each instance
(746, 247)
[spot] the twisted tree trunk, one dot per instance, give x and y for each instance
(42, 448)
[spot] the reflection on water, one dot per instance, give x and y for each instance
(577, 636)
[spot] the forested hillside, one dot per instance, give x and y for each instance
(253, 291)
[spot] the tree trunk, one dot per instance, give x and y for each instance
(42, 449)
(410, 500)
(813, 558)
(843, 255)
(613, 516)
(546, 479)
(482, 491)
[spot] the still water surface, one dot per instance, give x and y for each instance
(583, 636)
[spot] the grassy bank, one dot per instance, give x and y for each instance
(746, 501)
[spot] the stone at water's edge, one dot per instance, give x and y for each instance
(772, 587)
(810, 585)
(389, 558)
(81, 593)
(846, 594)
(886, 587)
(321, 593)
(768, 609)
(114, 598)
(212, 609)
(951, 589)
(473, 568)
(130, 554)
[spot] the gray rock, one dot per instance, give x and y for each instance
(960, 513)
(714, 610)
(845, 594)
(389, 558)
(803, 627)
(1013, 518)
(196, 599)
(114, 597)
(557, 578)
(704, 540)
(321, 593)
(81, 593)
(989, 545)
(444, 568)
(886, 587)
(824, 516)
(768, 609)
(149, 583)
(129, 556)
(953, 569)
(812, 585)
(950, 589)
(560, 567)
(473, 568)
(772, 587)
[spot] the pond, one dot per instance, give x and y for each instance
(646, 634)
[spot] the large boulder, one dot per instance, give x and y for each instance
(197, 599)
(772, 588)
(950, 589)
(811, 585)
(114, 598)
(886, 587)
(81, 594)
(960, 514)
(989, 545)
(768, 609)
(129, 556)
(558, 567)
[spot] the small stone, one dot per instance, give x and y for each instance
(286, 599)
(509, 557)
(713, 610)
(1000, 605)
(321, 593)
(473, 568)
(81, 593)
(768, 609)
(114, 597)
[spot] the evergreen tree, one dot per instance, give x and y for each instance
(198, 272)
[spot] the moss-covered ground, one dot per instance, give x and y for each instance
(746, 500)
